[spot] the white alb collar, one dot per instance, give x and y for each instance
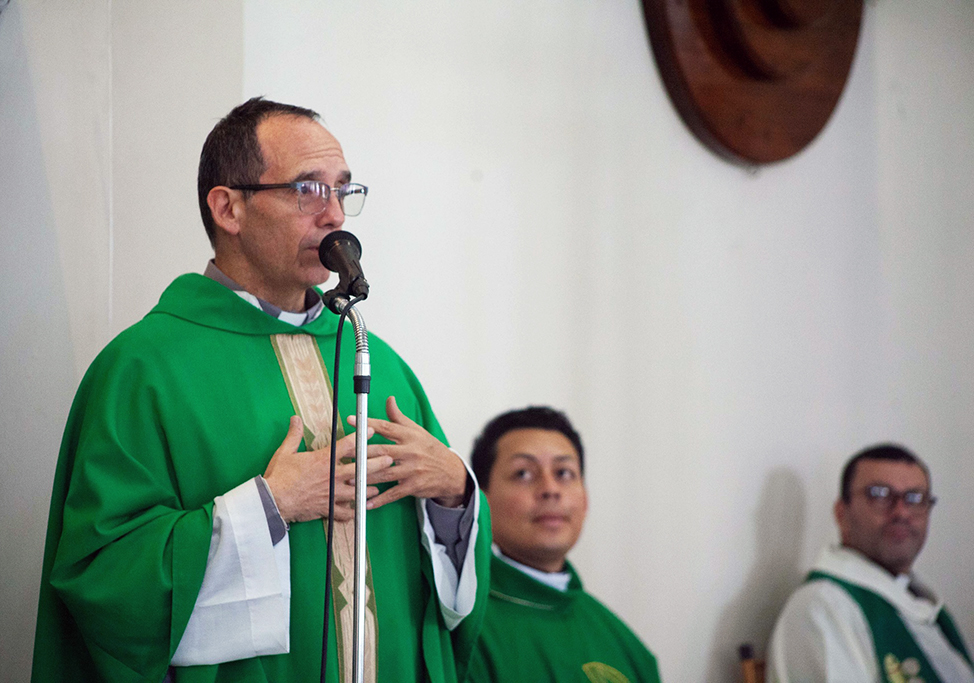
(854, 567)
(557, 580)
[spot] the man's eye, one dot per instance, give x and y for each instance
(567, 474)
(522, 475)
(914, 497)
(878, 492)
(307, 188)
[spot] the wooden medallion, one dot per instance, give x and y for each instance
(755, 80)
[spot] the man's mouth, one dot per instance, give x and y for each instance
(551, 519)
(899, 531)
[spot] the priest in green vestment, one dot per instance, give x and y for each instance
(187, 532)
(862, 614)
(541, 625)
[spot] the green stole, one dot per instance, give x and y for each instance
(309, 387)
(900, 658)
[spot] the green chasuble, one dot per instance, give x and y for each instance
(900, 657)
(181, 408)
(536, 633)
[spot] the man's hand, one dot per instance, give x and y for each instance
(425, 468)
(299, 480)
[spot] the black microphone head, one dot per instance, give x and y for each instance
(335, 246)
(339, 252)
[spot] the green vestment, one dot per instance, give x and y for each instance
(178, 409)
(536, 633)
(899, 656)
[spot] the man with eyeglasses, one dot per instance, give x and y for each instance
(186, 539)
(862, 615)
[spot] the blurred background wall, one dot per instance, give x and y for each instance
(541, 228)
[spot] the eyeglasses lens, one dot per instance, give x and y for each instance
(886, 498)
(310, 198)
(313, 198)
(352, 197)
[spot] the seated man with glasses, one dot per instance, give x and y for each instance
(186, 539)
(862, 615)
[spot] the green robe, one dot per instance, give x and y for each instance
(895, 646)
(178, 409)
(533, 632)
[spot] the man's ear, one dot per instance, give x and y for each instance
(226, 206)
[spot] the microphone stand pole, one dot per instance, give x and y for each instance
(362, 379)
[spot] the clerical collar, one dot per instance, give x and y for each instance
(312, 299)
(557, 580)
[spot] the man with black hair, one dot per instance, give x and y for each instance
(187, 539)
(862, 615)
(541, 625)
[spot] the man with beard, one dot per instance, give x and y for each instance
(862, 615)
(541, 625)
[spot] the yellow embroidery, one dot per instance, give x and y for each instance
(893, 669)
(906, 671)
(911, 667)
(597, 672)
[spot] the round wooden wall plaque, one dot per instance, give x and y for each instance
(755, 80)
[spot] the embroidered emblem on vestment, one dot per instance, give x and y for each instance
(597, 672)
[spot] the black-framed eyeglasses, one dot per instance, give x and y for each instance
(885, 498)
(313, 195)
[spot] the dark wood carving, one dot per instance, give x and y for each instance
(755, 80)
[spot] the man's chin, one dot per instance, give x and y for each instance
(899, 559)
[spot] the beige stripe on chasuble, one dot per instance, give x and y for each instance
(309, 387)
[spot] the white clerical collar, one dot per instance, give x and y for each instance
(313, 300)
(557, 580)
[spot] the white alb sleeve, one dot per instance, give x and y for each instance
(821, 635)
(457, 594)
(243, 607)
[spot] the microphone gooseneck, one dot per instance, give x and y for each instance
(340, 252)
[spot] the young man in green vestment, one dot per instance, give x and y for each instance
(541, 625)
(186, 539)
(862, 616)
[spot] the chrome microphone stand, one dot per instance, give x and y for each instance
(361, 380)
(339, 252)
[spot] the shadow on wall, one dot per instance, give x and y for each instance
(750, 617)
(37, 377)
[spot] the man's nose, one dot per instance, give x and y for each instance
(900, 508)
(549, 486)
(332, 216)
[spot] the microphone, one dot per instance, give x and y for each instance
(340, 252)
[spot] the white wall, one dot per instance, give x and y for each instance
(541, 228)
(103, 108)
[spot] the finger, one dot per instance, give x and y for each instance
(389, 430)
(344, 514)
(370, 492)
(295, 432)
(386, 475)
(372, 466)
(349, 439)
(390, 450)
(386, 497)
(396, 415)
(344, 447)
(344, 471)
